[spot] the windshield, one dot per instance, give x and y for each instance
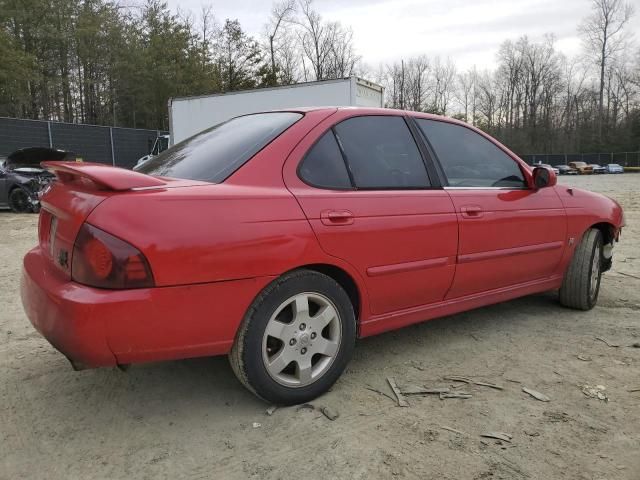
(214, 154)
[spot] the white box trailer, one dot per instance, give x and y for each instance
(190, 115)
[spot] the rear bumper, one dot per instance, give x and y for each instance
(56, 310)
(95, 328)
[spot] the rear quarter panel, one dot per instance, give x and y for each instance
(211, 233)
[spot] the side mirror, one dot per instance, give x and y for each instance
(544, 177)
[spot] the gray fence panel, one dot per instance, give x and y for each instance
(16, 134)
(92, 143)
(130, 144)
(89, 142)
(591, 158)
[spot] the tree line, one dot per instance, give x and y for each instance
(104, 62)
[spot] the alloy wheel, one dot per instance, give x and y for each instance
(302, 339)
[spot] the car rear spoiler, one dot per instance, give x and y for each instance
(105, 177)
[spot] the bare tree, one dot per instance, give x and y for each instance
(314, 38)
(602, 32)
(281, 13)
(511, 69)
(328, 46)
(288, 59)
(443, 81)
(487, 99)
(416, 85)
(342, 59)
(465, 93)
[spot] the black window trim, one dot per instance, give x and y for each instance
(431, 162)
(436, 160)
(347, 165)
(432, 175)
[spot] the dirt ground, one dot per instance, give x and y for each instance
(192, 419)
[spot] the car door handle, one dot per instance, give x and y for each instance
(336, 217)
(471, 211)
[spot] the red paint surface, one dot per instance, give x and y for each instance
(413, 254)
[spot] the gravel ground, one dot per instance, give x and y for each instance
(192, 419)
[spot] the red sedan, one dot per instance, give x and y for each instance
(279, 238)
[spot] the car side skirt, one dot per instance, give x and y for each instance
(391, 321)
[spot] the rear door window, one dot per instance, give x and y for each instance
(381, 153)
(469, 159)
(214, 154)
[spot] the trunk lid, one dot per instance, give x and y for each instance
(79, 188)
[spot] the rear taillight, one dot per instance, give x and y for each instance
(104, 261)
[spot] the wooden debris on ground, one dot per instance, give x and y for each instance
(537, 395)
(596, 391)
(498, 436)
(458, 378)
(380, 392)
(271, 410)
(490, 385)
(330, 413)
(444, 427)
(467, 380)
(628, 275)
(455, 395)
(607, 343)
(512, 380)
(402, 402)
(421, 390)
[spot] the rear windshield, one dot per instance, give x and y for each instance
(214, 154)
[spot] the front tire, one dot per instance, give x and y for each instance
(19, 201)
(296, 338)
(581, 283)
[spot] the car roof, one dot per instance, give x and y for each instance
(369, 111)
(377, 111)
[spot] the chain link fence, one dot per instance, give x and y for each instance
(117, 146)
(626, 159)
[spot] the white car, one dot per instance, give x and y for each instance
(557, 171)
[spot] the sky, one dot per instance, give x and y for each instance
(469, 32)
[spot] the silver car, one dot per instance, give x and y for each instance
(614, 168)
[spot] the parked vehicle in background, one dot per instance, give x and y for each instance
(278, 238)
(614, 168)
(566, 170)
(191, 115)
(598, 169)
(555, 169)
(582, 168)
(159, 146)
(22, 178)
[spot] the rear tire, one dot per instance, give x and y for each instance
(296, 338)
(581, 283)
